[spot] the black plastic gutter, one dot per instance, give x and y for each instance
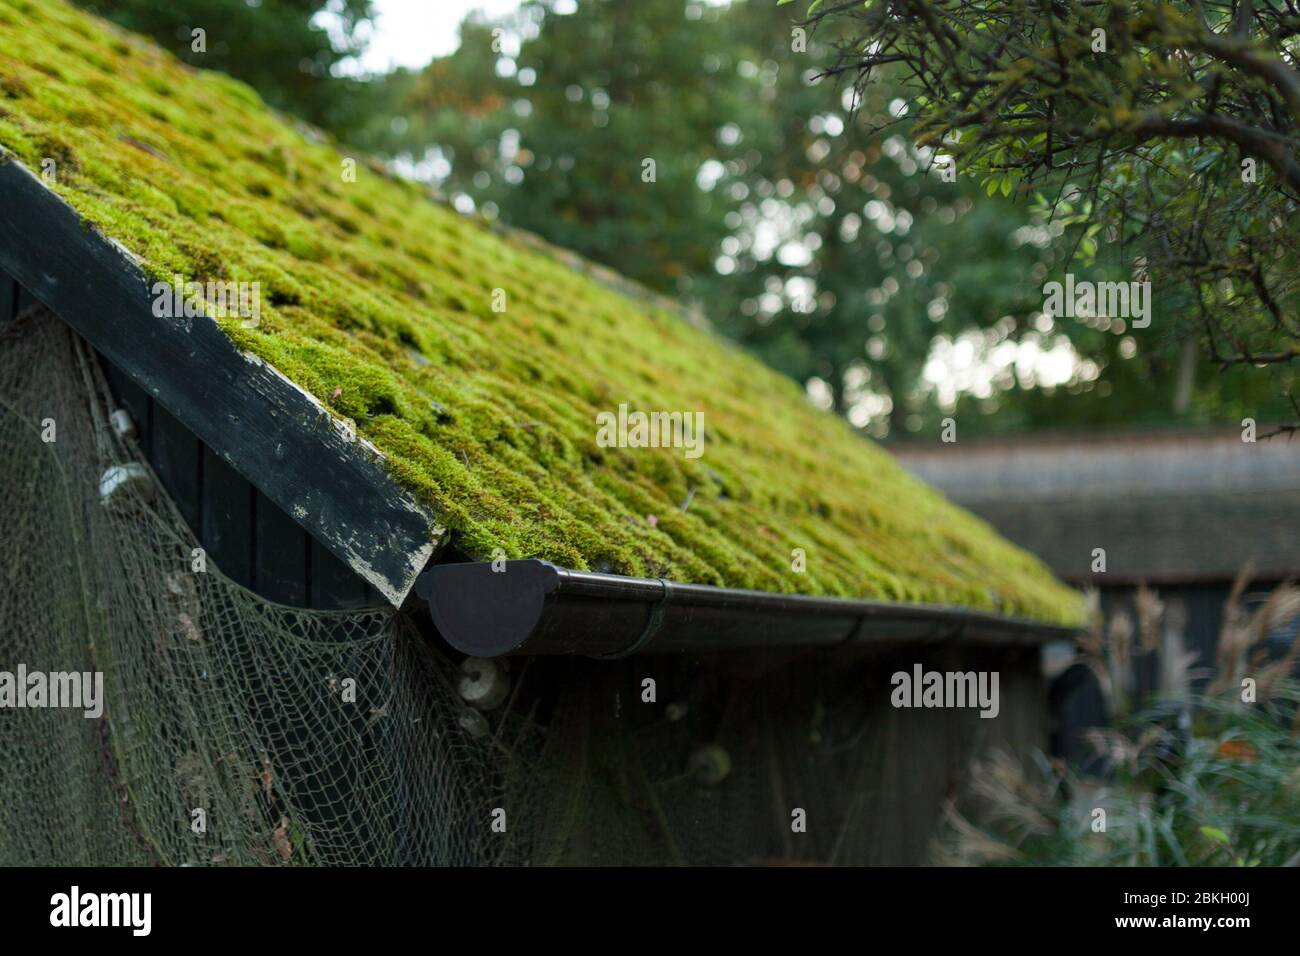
(534, 608)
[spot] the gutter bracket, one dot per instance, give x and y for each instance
(859, 626)
(652, 625)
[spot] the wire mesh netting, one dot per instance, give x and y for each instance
(236, 731)
(215, 699)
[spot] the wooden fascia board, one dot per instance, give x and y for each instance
(278, 436)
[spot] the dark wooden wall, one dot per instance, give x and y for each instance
(13, 298)
(245, 535)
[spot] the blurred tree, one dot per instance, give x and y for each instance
(590, 129)
(279, 47)
(856, 256)
(1172, 129)
(838, 265)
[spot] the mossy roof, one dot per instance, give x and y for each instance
(378, 300)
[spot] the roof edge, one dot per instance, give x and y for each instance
(273, 432)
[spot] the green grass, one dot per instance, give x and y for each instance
(377, 300)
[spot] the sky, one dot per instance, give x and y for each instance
(411, 32)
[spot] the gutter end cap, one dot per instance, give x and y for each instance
(489, 613)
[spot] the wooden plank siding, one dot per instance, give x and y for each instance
(227, 519)
(280, 557)
(13, 298)
(177, 457)
(247, 536)
(8, 298)
(22, 298)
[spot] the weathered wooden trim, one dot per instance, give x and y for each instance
(274, 433)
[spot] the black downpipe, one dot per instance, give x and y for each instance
(535, 607)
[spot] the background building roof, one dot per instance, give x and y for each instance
(1166, 506)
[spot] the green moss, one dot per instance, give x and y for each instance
(378, 300)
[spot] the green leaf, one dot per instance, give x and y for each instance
(1207, 161)
(1215, 834)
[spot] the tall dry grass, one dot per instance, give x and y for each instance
(1201, 769)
